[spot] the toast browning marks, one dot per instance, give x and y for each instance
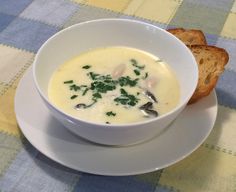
(190, 36)
(211, 60)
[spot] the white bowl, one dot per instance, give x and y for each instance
(81, 37)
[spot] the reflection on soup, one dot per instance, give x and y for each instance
(114, 85)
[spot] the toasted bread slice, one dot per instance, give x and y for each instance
(211, 62)
(189, 36)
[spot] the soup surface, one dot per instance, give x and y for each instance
(114, 85)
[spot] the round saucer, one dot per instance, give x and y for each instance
(45, 133)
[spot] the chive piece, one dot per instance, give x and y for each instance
(110, 113)
(93, 76)
(158, 60)
(123, 92)
(97, 95)
(124, 81)
(74, 87)
(104, 83)
(73, 96)
(86, 66)
(134, 61)
(135, 64)
(137, 72)
(85, 91)
(68, 82)
(126, 99)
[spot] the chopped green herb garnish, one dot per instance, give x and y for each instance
(68, 82)
(121, 100)
(137, 72)
(74, 87)
(85, 91)
(97, 95)
(108, 122)
(73, 96)
(110, 113)
(134, 61)
(123, 92)
(86, 66)
(101, 84)
(126, 99)
(125, 81)
(135, 64)
(158, 60)
(93, 75)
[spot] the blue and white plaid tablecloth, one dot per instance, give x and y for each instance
(26, 24)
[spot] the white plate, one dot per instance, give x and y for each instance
(185, 135)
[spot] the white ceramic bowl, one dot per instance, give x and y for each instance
(81, 37)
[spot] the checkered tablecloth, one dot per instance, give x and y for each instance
(26, 24)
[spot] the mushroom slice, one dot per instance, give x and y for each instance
(147, 105)
(150, 96)
(150, 113)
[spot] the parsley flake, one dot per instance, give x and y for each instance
(126, 99)
(110, 113)
(137, 72)
(73, 96)
(74, 87)
(135, 64)
(86, 66)
(85, 91)
(68, 82)
(125, 81)
(97, 96)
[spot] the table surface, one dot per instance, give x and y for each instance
(26, 24)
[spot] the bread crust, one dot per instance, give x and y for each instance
(189, 36)
(211, 60)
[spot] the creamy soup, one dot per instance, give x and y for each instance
(114, 85)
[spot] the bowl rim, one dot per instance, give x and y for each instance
(104, 125)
